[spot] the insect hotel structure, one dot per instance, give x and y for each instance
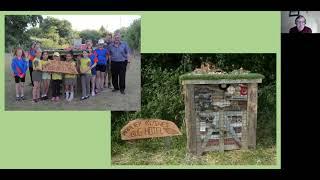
(220, 109)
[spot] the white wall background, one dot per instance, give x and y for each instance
(313, 20)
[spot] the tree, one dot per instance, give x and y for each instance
(53, 33)
(75, 34)
(15, 28)
(132, 34)
(90, 34)
(35, 31)
(123, 32)
(103, 32)
(63, 27)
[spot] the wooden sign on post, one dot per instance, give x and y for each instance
(148, 128)
(60, 67)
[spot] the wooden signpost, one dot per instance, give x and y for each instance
(149, 128)
(60, 67)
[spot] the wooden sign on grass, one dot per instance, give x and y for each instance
(149, 128)
(60, 67)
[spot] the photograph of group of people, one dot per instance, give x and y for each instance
(94, 64)
(99, 62)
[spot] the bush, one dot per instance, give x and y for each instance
(266, 122)
(161, 98)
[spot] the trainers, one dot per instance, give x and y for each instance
(87, 97)
(70, 97)
(53, 98)
(34, 100)
(82, 98)
(18, 99)
(122, 92)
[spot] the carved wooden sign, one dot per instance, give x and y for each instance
(148, 128)
(60, 67)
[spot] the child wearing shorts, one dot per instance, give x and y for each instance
(70, 79)
(94, 61)
(36, 76)
(56, 80)
(102, 55)
(19, 67)
(45, 77)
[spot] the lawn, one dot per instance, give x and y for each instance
(172, 151)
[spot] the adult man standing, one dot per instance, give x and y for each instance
(119, 53)
(300, 27)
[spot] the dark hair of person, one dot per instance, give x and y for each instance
(70, 52)
(43, 53)
(300, 16)
(33, 44)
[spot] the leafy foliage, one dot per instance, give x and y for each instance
(15, 30)
(103, 32)
(132, 34)
(62, 27)
(90, 34)
(55, 33)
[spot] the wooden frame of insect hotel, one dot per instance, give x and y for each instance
(220, 109)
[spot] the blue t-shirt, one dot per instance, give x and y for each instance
(32, 53)
(93, 58)
(101, 54)
(19, 67)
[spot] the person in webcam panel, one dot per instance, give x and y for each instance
(300, 26)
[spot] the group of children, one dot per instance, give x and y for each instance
(91, 67)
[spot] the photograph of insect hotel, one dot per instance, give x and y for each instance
(220, 109)
(201, 109)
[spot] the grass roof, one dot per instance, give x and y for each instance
(229, 76)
